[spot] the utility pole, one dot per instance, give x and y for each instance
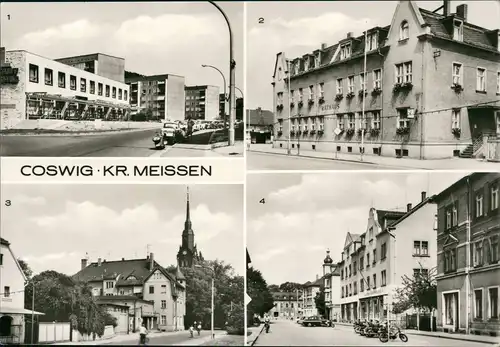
(289, 149)
(32, 311)
(467, 254)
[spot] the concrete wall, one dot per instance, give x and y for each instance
(84, 125)
(111, 67)
(11, 276)
(121, 320)
(175, 100)
(108, 333)
(54, 332)
(212, 103)
(12, 96)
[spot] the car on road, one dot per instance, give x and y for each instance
(316, 321)
(300, 320)
(170, 132)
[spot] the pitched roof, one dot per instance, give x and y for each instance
(4, 241)
(279, 296)
(390, 216)
(260, 117)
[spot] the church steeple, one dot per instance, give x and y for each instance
(187, 233)
(187, 223)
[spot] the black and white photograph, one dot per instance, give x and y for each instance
(362, 259)
(367, 85)
(122, 79)
(122, 265)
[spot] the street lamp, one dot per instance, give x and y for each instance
(212, 300)
(232, 66)
(224, 79)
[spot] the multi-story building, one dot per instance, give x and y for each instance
(142, 279)
(287, 305)
(259, 125)
(331, 285)
(98, 63)
(202, 102)
(395, 244)
(430, 89)
(12, 311)
(468, 278)
(157, 97)
(34, 87)
(309, 292)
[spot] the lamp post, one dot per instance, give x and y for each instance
(232, 75)
(224, 79)
(212, 299)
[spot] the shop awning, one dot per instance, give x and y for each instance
(14, 310)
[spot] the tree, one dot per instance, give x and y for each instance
(273, 288)
(319, 301)
(290, 287)
(418, 292)
(257, 289)
(236, 320)
(26, 268)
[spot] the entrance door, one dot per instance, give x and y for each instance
(452, 312)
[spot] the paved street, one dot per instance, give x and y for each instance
(167, 339)
(289, 333)
(264, 161)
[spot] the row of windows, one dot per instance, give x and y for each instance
(481, 77)
(482, 252)
(354, 266)
(352, 288)
(492, 306)
(105, 90)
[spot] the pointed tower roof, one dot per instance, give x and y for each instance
(178, 274)
(187, 223)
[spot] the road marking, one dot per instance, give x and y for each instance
(157, 153)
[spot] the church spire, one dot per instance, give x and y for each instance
(187, 223)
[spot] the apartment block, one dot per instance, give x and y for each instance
(202, 102)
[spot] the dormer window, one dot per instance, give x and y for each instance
(296, 67)
(458, 32)
(371, 42)
(345, 51)
(306, 64)
(317, 61)
(404, 31)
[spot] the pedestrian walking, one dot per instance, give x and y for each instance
(198, 328)
(191, 331)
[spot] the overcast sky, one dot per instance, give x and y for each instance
(304, 214)
(297, 28)
(53, 226)
(154, 38)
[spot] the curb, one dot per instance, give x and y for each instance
(81, 134)
(257, 337)
(453, 338)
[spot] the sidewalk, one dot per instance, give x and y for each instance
(428, 164)
(120, 338)
(231, 151)
(253, 334)
(454, 336)
(202, 340)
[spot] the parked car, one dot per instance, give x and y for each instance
(300, 320)
(313, 321)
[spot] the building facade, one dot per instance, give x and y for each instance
(309, 292)
(98, 63)
(287, 305)
(188, 255)
(331, 284)
(202, 102)
(157, 97)
(240, 108)
(139, 311)
(161, 294)
(468, 255)
(34, 87)
(431, 89)
(259, 125)
(395, 244)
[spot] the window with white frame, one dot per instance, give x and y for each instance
(383, 276)
(481, 79)
(377, 79)
(339, 86)
(363, 120)
(479, 205)
(403, 120)
(494, 196)
(404, 30)
(321, 91)
(362, 82)
(296, 67)
(450, 260)
(371, 41)
(376, 119)
(280, 125)
(494, 248)
(49, 77)
(478, 253)
(321, 123)
(345, 51)
(351, 121)
(408, 72)
(454, 215)
(280, 98)
(350, 84)
(305, 124)
(163, 320)
(293, 125)
(317, 61)
(313, 123)
(455, 118)
(33, 73)
(478, 303)
(457, 73)
(340, 122)
(311, 92)
(493, 303)
(306, 64)
(458, 30)
(399, 73)
(301, 94)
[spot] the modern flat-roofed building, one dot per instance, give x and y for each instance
(157, 97)
(98, 63)
(431, 89)
(202, 102)
(35, 87)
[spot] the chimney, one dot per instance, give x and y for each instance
(446, 8)
(350, 34)
(84, 263)
(151, 261)
(123, 259)
(317, 277)
(462, 11)
(424, 195)
(323, 46)
(99, 261)
(408, 207)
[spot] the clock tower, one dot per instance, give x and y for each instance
(188, 253)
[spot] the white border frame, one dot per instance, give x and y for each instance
(443, 310)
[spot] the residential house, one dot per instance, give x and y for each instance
(287, 305)
(331, 284)
(310, 290)
(259, 125)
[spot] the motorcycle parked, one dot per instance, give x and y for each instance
(384, 335)
(159, 141)
(371, 330)
(358, 327)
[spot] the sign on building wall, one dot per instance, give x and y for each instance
(9, 75)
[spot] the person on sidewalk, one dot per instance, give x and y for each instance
(198, 328)
(191, 331)
(142, 334)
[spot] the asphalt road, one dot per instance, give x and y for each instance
(289, 333)
(265, 161)
(170, 339)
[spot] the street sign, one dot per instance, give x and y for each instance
(337, 131)
(247, 299)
